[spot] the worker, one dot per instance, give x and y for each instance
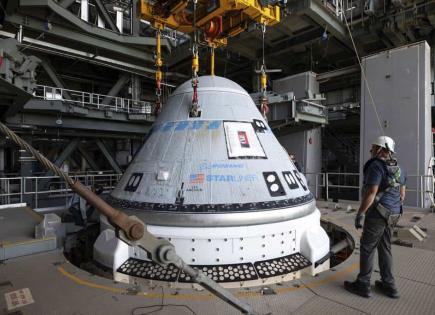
(383, 195)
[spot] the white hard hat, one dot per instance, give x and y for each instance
(385, 142)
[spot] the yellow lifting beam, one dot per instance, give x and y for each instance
(251, 8)
(235, 14)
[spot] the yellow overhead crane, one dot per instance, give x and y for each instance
(215, 19)
(235, 15)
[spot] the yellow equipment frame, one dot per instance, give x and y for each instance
(235, 13)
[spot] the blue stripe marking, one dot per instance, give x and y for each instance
(168, 126)
(214, 124)
(188, 125)
(182, 125)
(196, 125)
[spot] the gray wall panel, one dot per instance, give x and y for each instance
(399, 81)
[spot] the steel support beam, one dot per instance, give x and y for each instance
(12, 98)
(74, 162)
(122, 81)
(136, 87)
(319, 13)
(108, 156)
(81, 38)
(239, 48)
(46, 64)
(93, 29)
(66, 3)
(2, 158)
(26, 169)
(120, 20)
(179, 54)
(321, 77)
(66, 108)
(54, 49)
(289, 44)
(105, 14)
(84, 10)
(60, 159)
(64, 154)
(73, 125)
(324, 17)
(88, 158)
(135, 20)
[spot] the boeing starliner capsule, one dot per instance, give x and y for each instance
(220, 188)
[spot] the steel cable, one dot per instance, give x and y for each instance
(365, 79)
(42, 159)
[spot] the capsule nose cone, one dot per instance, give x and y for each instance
(225, 161)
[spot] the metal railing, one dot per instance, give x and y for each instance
(421, 185)
(93, 100)
(42, 188)
(39, 188)
(71, 173)
(326, 181)
(11, 190)
(424, 185)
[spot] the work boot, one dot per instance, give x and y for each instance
(387, 290)
(358, 288)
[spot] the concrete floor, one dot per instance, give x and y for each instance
(57, 287)
(17, 224)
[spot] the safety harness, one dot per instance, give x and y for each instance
(393, 172)
(392, 181)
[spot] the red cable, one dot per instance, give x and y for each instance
(264, 107)
(195, 91)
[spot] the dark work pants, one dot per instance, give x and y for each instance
(376, 235)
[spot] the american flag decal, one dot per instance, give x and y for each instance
(196, 178)
(243, 138)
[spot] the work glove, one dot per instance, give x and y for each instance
(358, 221)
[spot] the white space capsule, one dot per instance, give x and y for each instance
(221, 188)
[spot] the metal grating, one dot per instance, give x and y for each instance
(281, 266)
(219, 273)
(225, 273)
(149, 270)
